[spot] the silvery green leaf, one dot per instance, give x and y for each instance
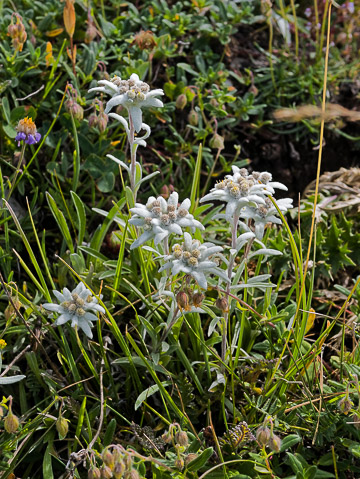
(117, 220)
(138, 173)
(122, 120)
(152, 250)
(243, 239)
(265, 252)
(219, 380)
(252, 285)
(259, 278)
(146, 178)
(119, 162)
(11, 379)
(149, 392)
(213, 325)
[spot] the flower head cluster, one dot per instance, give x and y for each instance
(26, 129)
(133, 94)
(247, 196)
(263, 214)
(77, 306)
(17, 33)
(160, 218)
(192, 258)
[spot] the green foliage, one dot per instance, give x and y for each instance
(65, 220)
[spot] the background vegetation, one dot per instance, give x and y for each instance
(243, 79)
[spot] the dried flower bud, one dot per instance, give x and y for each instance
(355, 418)
(190, 457)
(133, 474)
(11, 423)
(274, 443)
(106, 472)
(179, 463)
(117, 453)
(102, 122)
(91, 31)
(144, 40)
(167, 438)
(94, 473)
(345, 405)
(119, 469)
(107, 457)
(222, 304)
(217, 142)
(182, 438)
(182, 300)
(197, 299)
(93, 120)
(263, 435)
(181, 101)
(193, 117)
(78, 112)
(62, 427)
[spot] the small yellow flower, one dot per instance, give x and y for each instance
(2, 344)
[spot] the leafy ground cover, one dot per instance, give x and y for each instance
(167, 309)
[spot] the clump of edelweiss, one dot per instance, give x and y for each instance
(133, 94)
(247, 196)
(77, 306)
(160, 218)
(192, 258)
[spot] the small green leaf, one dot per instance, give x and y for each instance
(201, 460)
(106, 183)
(187, 68)
(149, 392)
(10, 131)
(47, 463)
(109, 433)
(289, 441)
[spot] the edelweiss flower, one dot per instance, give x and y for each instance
(159, 218)
(264, 214)
(77, 306)
(243, 189)
(26, 129)
(133, 94)
(192, 258)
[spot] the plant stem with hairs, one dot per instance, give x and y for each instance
(230, 269)
(131, 138)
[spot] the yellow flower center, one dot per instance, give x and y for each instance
(2, 344)
(26, 125)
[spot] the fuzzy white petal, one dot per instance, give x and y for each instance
(64, 318)
(115, 101)
(142, 239)
(199, 278)
(152, 102)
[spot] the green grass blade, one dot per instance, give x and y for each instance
(195, 187)
(80, 211)
(60, 219)
(34, 262)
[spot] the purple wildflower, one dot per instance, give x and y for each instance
(27, 132)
